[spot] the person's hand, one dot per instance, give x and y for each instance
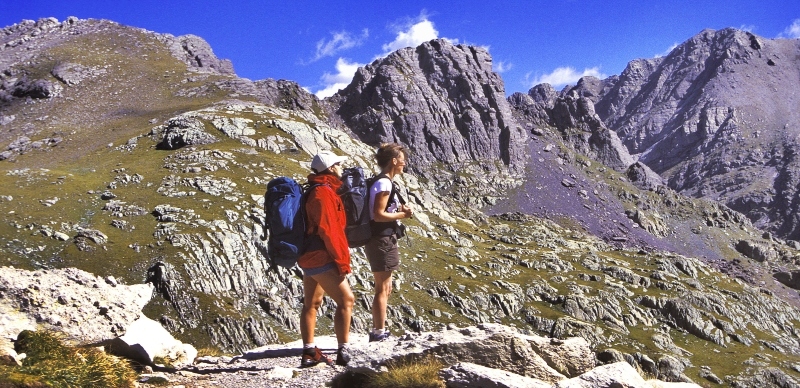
(409, 212)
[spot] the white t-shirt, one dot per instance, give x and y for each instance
(381, 185)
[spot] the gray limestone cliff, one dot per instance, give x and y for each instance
(444, 102)
(573, 114)
(717, 118)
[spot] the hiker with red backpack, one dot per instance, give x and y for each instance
(386, 207)
(326, 258)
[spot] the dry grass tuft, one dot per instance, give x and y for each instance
(51, 363)
(410, 374)
(210, 352)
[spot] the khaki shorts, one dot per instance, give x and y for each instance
(382, 253)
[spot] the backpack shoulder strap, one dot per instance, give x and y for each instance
(395, 192)
(307, 188)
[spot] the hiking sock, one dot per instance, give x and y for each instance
(378, 331)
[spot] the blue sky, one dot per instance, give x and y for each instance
(320, 44)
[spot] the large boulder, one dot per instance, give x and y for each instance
(36, 88)
(757, 251)
(569, 356)
(183, 131)
(643, 177)
(146, 341)
(790, 279)
(86, 308)
(489, 345)
(8, 356)
(619, 374)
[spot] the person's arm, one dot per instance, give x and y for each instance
(380, 214)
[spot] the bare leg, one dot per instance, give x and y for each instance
(383, 288)
(338, 288)
(312, 299)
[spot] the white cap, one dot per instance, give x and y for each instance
(323, 160)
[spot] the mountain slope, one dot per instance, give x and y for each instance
(718, 118)
(169, 173)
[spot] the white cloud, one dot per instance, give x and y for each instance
(333, 82)
(566, 75)
(667, 51)
(791, 32)
(502, 66)
(339, 42)
(747, 27)
(412, 35)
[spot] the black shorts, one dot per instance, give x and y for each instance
(382, 253)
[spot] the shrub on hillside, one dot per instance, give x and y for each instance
(51, 363)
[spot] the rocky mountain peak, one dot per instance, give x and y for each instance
(442, 100)
(713, 117)
(197, 54)
(716, 118)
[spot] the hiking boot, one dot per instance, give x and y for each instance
(312, 357)
(379, 337)
(342, 357)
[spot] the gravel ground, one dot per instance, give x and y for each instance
(268, 366)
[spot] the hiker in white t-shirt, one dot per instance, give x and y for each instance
(386, 209)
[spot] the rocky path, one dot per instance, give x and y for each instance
(477, 356)
(268, 366)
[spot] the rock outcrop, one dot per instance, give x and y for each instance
(718, 119)
(196, 53)
(445, 103)
(183, 131)
(87, 308)
(493, 346)
(573, 114)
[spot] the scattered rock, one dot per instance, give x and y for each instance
(5, 120)
(49, 202)
(72, 73)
